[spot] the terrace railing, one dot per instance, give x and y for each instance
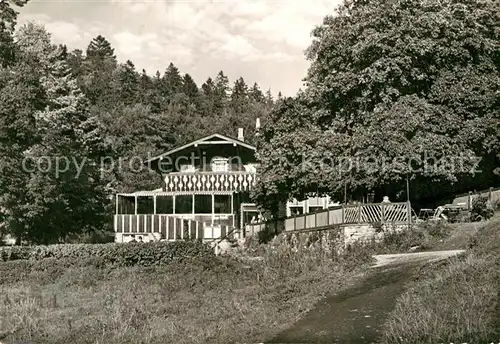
(384, 213)
(170, 227)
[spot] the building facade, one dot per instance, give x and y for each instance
(205, 195)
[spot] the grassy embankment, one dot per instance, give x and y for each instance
(203, 300)
(455, 301)
(206, 299)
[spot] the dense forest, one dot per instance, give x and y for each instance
(398, 94)
(62, 110)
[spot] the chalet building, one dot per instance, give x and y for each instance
(205, 195)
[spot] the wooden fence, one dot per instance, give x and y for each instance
(382, 213)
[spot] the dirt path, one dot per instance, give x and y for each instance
(418, 257)
(355, 315)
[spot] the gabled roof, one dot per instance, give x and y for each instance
(202, 140)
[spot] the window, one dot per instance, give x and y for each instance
(220, 165)
(250, 217)
(184, 204)
(296, 210)
(126, 205)
(145, 205)
(222, 204)
(188, 168)
(164, 205)
(315, 209)
(203, 204)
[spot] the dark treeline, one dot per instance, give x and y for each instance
(403, 89)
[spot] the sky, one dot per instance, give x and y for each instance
(262, 41)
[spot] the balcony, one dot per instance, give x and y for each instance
(189, 182)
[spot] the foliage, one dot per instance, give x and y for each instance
(378, 226)
(52, 186)
(481, 209)
(423, 235)
(392, 85)
(112, 254)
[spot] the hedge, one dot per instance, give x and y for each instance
(118, 254)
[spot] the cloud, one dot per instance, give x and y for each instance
(68, 33)
(195, 35)
(291, 23)
(237, 46)
(224, 28)
(129, 43)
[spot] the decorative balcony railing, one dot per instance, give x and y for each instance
(189, 182)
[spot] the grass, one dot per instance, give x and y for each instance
(456, 301)
(217, 300)
(205, 300)
(423, 236)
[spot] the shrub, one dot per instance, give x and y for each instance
(423, 235)
(396, 241)
(118, 254)
(481, 209)
(378, 226)
(437, 229)
(93, 237)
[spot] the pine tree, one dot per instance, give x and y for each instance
(128, 83)
(190, 88)
(256, 94)
(208, 87)
(100, 49)
(269, 97)
(222, 86)
(61, 199)
(75, 62)
(171, 82)
(99, 67)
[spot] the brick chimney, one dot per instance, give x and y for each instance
(240, 134)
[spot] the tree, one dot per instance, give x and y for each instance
(256, 94)
(285, 140)
(189, 87)
(128, 83)
(222, 89)
(8, 20)
(100, 50)
(208, 87)
(99, 67)
(171, 83)
(75, 62)
(269, 97)
(239, 102)
(399, 82)
(61, 193)
(21, 96)
(136, 134)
